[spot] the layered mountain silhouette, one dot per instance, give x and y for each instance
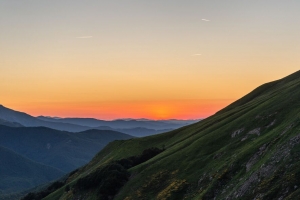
(31, 156)
(11, 124)
(137, 128)
(19, 173)
(122, 123)
(137, 132)
(56, 146)
(65, 151)
(248, 150)
(30, 121)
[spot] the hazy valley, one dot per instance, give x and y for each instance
(37, 150)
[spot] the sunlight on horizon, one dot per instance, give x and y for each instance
(76, 58)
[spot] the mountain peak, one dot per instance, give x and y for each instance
(5, 108)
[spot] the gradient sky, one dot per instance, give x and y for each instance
(135, 58)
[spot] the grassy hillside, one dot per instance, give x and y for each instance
(248, 150)
(19, 173)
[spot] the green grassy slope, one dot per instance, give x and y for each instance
(19, 173)
(250, 149)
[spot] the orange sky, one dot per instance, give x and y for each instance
(142, 59)
(184, 109)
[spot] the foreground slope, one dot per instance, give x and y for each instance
(248, 150)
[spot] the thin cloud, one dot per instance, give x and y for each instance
(197, 54)
(84, 37)
(206, 20)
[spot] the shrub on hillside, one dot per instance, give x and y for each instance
(136, 160)
(109, 179)
(112, 172)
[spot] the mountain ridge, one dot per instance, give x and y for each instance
(121, 123)
(147, 127)
(11, 124)
(260, 90)
(30, 121)
(63, 150)
(18, 173)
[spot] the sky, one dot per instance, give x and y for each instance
(155, 59)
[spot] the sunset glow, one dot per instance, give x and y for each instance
(142, 59)
(185, 109)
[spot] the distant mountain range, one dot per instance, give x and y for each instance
(134, 127)
(24, 119)
(122, 123)
(65, 151)
(19, 173)
(137, 132)
(30, 156)
(55, 146)
(11, 124)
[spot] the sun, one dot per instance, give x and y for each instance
(161, 112)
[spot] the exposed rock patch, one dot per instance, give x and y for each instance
(266, 170)
(287, 129)
(237, 132)
(256, 157)
(271, 124)
(244, 138)
(255, 131)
